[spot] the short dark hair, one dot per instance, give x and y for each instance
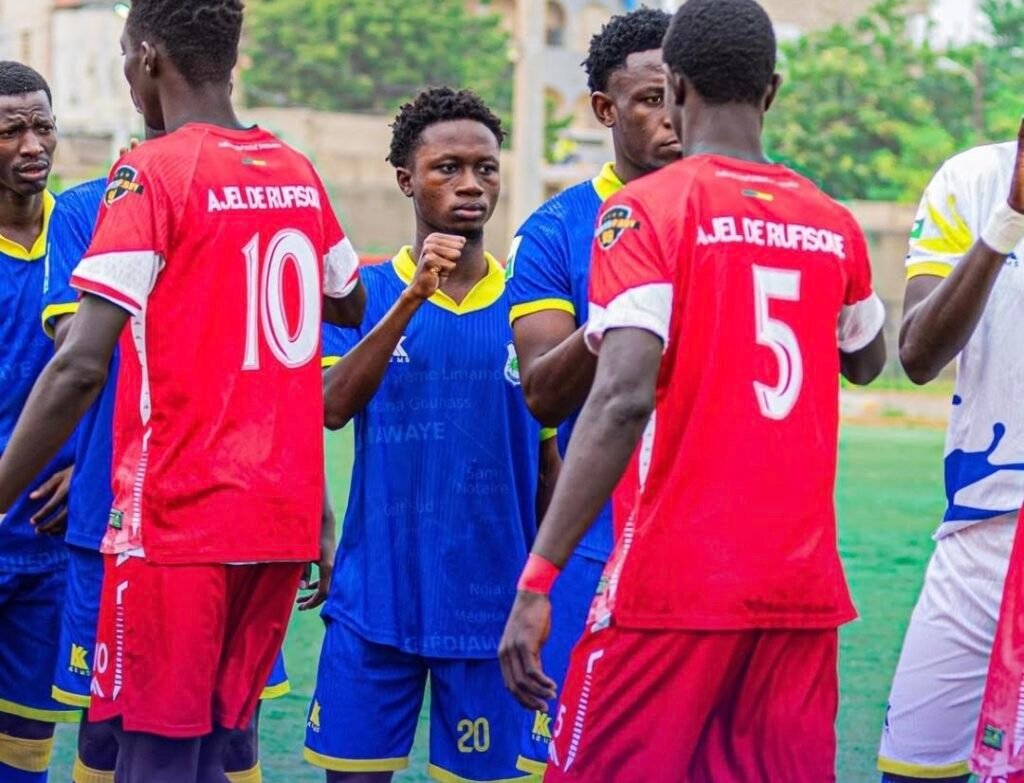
(18, 79)
(438, 104)
(638, 31)
(725, 48)
(201, 36)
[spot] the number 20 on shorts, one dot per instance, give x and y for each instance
(777, 401)
(474, 735)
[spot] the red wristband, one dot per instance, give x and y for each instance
(539, 575)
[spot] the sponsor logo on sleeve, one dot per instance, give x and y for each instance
(614, 222)
(124, 181)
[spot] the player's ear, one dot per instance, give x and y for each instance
(773, 90)
(150, 58)
(404, 178)
(604, 108)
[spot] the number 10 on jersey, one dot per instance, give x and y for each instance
(265, 305)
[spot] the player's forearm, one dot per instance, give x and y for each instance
(347, 311)
(603, 440)
(557, 383)
(59, 399)
(863, 366)
(936, 330)
(351, 383)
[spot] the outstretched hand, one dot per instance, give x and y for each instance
(526, 631)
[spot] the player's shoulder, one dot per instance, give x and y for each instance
(565, 210)
(84, 198)
(987, 165)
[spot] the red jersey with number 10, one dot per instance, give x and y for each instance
(219, 243)
(754, 280)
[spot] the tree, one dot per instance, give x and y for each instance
(371, 55)
(866, 111)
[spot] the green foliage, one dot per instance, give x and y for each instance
(371, 55)
(871, 114)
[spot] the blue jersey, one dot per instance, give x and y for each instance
(91, 496)
(441, 511)
(24, 352)
(549, 269)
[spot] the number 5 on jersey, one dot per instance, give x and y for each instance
(265, 305)
(777, 401)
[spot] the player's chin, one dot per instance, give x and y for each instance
(25, 186)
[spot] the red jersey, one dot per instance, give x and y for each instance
(219, 243)
(754, 280)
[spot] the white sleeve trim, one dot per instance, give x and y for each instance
(126, 279)
(860, 323)
(341, 270)
(647, 307)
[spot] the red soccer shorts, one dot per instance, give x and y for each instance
(180, 649)
(698, 707)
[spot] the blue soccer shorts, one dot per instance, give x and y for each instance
(571, 598)
(73, 676)
(367, 703)
(29, 630)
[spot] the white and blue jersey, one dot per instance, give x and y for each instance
(549, 269)
(24, 352)
(984, 463)
(441, 512)
(91, 496)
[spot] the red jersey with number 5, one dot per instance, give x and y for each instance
(755, 281)
(219, 244)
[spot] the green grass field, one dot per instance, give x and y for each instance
(890, 498)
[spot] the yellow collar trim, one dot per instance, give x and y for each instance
(607, 183)
(485, 293)
(14, 250)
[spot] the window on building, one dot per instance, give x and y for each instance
(554, 29)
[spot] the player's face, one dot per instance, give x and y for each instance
(138, 72)
(454, 179)
(28, 137)
(635, 111)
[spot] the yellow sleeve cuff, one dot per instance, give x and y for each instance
(934, 268)
(539, 306)
(56, 311)
(547, 433)
(329, 361)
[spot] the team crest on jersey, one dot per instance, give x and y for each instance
(512, 366)
(124, 181)
(614, 222)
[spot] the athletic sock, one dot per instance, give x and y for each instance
(254, 775)
(24, 760)
(85, 774)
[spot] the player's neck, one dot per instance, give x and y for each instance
(732, 130)
(21, 217)
(209, 104)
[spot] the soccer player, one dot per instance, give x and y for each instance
(89, 505)
(961, 303)
(33, 558)
(548, 274)
(213, 249)
(727, 294)
(441, 511)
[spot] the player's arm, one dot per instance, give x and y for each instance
(351, 383)
(549, 469)
(605, 437)
(325, 565)
(348, 310)
(63, 393)
(941, 313)
(863, 366)
(555, 366)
